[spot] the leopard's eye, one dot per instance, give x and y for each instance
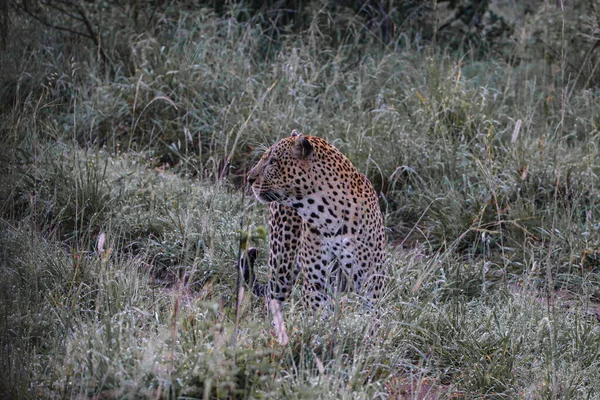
(272, 160)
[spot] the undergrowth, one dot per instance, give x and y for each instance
(122, 206)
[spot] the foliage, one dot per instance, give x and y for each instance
(121, 200)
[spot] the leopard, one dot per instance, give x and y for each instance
(325, 223)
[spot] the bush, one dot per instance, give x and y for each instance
(122, 202)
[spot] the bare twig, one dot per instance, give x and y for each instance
(62, 10)
(278, 323)
(46, 23)
(78, 14)
(239, 286)
(4, 23)
(93, 35)
(88, 25)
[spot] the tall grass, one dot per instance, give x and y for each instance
(122, 203)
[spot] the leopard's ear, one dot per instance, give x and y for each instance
(302, 147)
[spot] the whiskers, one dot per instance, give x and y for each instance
(270, 196)
(267, 195)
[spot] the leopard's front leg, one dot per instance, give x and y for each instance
(285, 226)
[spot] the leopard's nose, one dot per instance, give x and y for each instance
(250, 179)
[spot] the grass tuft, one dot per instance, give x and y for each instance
(122, 208)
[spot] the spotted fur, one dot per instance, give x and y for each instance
(325, 222)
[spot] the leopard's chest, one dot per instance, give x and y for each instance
(325, 220)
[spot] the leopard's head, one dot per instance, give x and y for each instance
(283, 172)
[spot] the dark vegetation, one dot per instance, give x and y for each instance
(126, 129)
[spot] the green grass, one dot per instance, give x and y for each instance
(494, 238)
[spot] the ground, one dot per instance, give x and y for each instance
(485, 166)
